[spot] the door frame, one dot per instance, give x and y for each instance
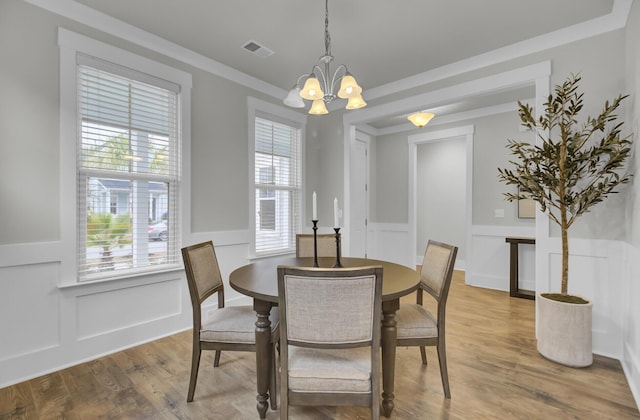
(365, 138)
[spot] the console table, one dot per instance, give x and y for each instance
(514, 289)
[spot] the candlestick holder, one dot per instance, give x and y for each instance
(315, 243)
(337, 264)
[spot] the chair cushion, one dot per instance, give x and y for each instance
(234, 324)
(330, 370)
(414, 321)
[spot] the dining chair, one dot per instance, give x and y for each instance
(416, 326)
(326, 245)
(330, 337)
(226, 328)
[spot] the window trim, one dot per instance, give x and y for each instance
(276, 113)
(71, 44)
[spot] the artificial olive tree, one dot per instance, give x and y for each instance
(574, 165)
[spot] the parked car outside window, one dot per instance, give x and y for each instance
(158, 231)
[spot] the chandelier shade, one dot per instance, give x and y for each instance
(318, 107)
(294, 99)
(356, 102)
(319, 85)
(312, 89)
(420, 119)
(349, 87)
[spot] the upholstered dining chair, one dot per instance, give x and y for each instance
(326, 245)
(227, 328)
(330, 337)
(416, 326)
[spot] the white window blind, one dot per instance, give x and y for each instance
(128, 171)
(278, 182)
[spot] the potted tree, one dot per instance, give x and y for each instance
(575, 166)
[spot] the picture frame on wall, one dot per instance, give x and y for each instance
(526, 208)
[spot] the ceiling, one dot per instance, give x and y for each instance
(381, 41)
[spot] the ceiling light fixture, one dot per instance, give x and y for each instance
(420, 119)
(319, 88)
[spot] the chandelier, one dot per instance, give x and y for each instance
(319, 87)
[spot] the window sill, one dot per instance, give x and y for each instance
(146, 276)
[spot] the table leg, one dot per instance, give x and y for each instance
(263, 354)
(389, 334)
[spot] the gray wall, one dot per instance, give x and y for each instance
(391, 174)
(29, 131)
(602, 78)
(441, 189)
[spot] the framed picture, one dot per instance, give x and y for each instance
(526, 208)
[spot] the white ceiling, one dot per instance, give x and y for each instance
(380, 41)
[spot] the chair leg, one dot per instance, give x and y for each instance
(273, 381)
(442, 358)
(216, 360)
(195, 364)
(423, 353)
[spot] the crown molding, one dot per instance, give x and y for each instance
(115, 27)
(616, 19)
(70, 9)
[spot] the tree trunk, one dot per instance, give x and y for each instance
(565, 256)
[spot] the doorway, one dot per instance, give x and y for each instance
(464, 135)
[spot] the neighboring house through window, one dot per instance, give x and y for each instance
(128, 160)
(276, 158)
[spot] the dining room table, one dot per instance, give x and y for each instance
(259, 280)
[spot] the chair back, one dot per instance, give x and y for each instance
(322, 307)
(203, 273)
(326, 245)
(437, 269)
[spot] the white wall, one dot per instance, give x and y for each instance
(631, 252)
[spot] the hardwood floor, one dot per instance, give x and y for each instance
(495, 372)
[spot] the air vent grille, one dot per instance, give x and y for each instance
(260, 50)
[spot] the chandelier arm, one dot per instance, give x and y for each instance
(302, 76)
(335, 78)
(322, 75)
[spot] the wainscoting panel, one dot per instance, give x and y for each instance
(391, 243)
(487, 262)
(45, 328)
(96, 313)
(29, 310)
(631, 320)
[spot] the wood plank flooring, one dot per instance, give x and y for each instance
(495, 372)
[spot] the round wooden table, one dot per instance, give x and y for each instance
(259, 280)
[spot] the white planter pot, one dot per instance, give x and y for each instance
(564, 332)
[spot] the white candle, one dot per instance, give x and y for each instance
(315, 207)
(336, 222)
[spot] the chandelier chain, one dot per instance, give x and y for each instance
(327, 37)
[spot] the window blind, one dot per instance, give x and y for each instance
(278, 182)
(128, 170)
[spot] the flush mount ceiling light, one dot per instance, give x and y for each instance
(420, 119)
(319, 88)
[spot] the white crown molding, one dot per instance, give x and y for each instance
(456, 117)
(70, 9)
(115, 27)
(617, 19)
(512, 78)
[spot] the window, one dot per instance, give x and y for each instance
(128, 151)
(124, 137)
(277, 182)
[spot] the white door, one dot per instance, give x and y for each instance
(359, 196)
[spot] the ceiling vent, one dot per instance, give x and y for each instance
(257, 49)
